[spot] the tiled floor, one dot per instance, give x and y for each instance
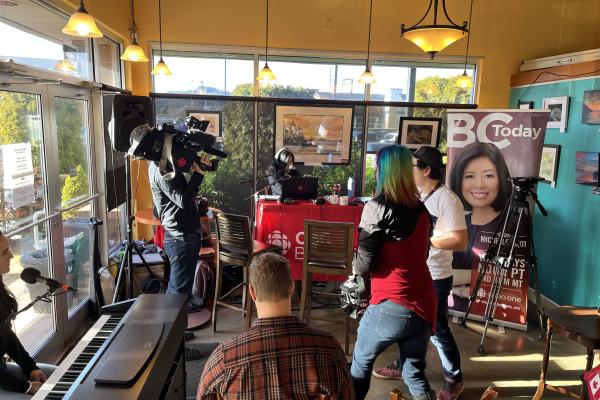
(512, 363)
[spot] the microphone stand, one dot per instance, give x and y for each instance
(44, 297)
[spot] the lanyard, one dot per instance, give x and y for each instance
(430, 193)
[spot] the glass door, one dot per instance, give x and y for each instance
(24, 216)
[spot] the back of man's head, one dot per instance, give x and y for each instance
(270, 277)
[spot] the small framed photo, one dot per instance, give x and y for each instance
(525, 105)
(549, 164)
(416, 132)
(215, 127)
(591, 107)
(559, 112)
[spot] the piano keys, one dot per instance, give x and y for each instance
(163, 375)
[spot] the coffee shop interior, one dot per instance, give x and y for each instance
(274, 131)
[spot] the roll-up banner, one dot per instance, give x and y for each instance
(485, 149)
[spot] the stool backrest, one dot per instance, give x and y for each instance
(329, 242)
(233, 233)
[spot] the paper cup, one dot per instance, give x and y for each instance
(334, 199)
(343, 200)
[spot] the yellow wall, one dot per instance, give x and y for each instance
(504, 32)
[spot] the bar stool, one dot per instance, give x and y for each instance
(328, 249)
(236, 247)
(580, 324)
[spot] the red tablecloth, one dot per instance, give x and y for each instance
(283, 225)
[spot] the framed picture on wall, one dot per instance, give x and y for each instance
(525, 105)
(559, 112)
(549, 164)
(215, 127)
(416, 132)
(591, 107)
(316, 135)
(586, 168)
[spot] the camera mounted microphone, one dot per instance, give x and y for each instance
(32, 275)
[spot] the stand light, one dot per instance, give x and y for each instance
(367, 78)
(464, 81)
(82, 24)
(161, 67)
(134, 52)
(265, 75)
(434, 38)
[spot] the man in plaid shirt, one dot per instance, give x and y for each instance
(280, 357)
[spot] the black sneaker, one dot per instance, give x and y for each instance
(188, 335)
(192, 354)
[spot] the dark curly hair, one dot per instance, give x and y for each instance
(477, 150)
(8, 302)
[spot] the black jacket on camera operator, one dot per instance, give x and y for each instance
(175, 202)
(281, 169)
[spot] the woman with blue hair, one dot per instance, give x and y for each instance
(395, 228)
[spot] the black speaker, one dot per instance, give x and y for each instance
(128, 112)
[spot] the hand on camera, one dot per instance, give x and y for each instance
(196, 168)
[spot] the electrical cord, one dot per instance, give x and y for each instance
(554, 74)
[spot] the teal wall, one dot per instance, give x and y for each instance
(567, 242)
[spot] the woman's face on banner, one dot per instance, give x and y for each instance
(5, 255)
(480, 184)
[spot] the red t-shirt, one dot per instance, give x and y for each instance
(402, 275)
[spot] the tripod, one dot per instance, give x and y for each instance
(129, 244)
(500, 257)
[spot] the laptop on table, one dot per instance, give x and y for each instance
(304, 188)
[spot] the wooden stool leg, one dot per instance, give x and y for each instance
(542, 384)
(347, 339)
(218, 279)
(248, 300)
(303, 293)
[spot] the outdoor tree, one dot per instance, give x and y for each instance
(70, 134)
(74, 188)
(435, 89)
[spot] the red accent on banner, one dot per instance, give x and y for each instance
(283, 225)
(592, 380)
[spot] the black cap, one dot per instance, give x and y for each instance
(430, 156)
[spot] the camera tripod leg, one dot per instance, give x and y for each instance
(474, 291)
(121, 273)
(481, 349)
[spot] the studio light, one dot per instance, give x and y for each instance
(367, 78)
(161, 67)
(434, 38)
(265, 75)
(134, 52)
(82, 24)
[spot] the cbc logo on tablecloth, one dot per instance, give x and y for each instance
(279, 239)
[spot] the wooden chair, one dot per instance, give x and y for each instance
(236, 247)
(328, 249)
(580, 324)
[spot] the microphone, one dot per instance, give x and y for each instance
(32, 275)
(214, 152)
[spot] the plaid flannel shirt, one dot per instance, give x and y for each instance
(278, 358)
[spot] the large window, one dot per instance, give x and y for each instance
(109, 62)
(218, 74)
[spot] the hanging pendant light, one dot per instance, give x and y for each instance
(82, 24)
(134, 52)
(265, 75)
(161, 67)
(434, 38)
(464, 81)
(367, 77)
(65, 65)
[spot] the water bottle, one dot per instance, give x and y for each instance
(350, 187)
(330, 158)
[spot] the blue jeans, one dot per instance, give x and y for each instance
(443, 338)
(384, 324)
(183, 256)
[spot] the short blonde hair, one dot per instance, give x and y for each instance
(270, 277)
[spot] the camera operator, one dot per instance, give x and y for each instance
(281, 168)
(175, 202)
(393, 248)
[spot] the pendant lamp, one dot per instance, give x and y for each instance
(161, 67)
(434, 38)
(82, 24)
(134, 52)
(367, 78)
(65, 65)
(464, 81)
(266, 75)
